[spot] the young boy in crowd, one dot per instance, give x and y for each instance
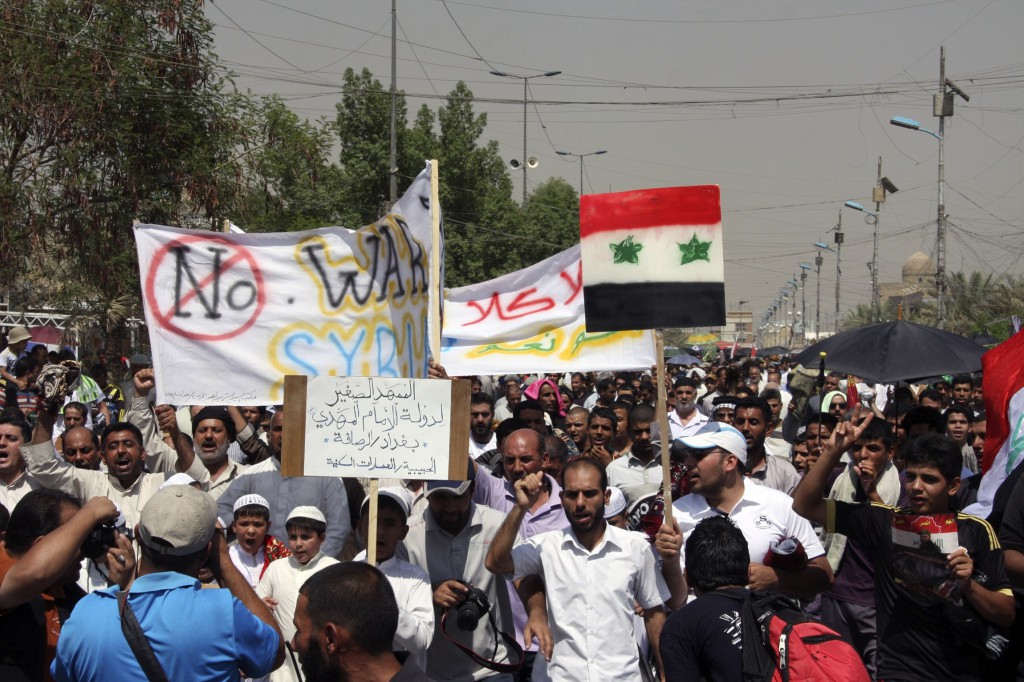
(255, 547)
(921, 636)
(410, 583)
(279, 588)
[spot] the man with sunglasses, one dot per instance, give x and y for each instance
(716, 460)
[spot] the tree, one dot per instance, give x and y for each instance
(109, 111)
(292, 183)
(481, 220)
(552, 221)
(363, 126)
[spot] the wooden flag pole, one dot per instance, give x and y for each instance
(436, 290)
(666, 435)
(371, 530)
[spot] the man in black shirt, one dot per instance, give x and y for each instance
(703, 639)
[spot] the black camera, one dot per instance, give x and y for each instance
(102, 536)
(473, 609)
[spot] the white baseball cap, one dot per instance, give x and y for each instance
(718, 435)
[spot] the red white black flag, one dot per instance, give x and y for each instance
(653, 258)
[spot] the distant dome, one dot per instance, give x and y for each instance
(918, 267)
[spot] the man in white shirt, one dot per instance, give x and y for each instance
(15, 480)
(715, 458)
(593, 573)
(482, 437)
(685, 419)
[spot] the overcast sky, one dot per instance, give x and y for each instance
(784, 103)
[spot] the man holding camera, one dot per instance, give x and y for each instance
(471, 605)
(39, 562)
(191, 633)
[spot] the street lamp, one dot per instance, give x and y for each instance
(818, 260)
(878, 193)
(526, 80)
(942, 107)
(804, 267)
(580, 157)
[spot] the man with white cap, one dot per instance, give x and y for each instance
(449, 541)
(715, 458)
(210, 635)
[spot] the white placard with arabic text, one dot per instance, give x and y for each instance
(377, 427)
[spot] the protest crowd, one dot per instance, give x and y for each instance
(144, 540)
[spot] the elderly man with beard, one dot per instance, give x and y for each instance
(685, 419)
(213, 431)
(345, 621)
(593, 573)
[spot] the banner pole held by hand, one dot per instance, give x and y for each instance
(666, 435)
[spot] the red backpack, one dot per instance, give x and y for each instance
(782, 644)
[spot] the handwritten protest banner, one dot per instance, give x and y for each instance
(533, 320)
(379, 427)
(230, 315)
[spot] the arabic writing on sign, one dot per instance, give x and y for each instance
(377, 427)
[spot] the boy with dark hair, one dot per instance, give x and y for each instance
(959, 419)
(279, 587)
(410, 583)
(255, 548)
(919, 635)
(703, 640)
(849, 605)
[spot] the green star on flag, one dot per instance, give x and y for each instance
(626, 251)
(694, 250)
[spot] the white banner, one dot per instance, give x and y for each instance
(230, 314)
(532, 320)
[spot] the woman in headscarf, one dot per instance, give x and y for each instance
(545, 391)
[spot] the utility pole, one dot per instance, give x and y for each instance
(839, 267)
(818, 260)
(393, 159)
(879, 197)
(942, 106)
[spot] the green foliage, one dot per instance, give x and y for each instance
(109, 111)
(291, 182)
(552, 221)
(975, 303)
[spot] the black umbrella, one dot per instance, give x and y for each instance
(773, 350)
(894, 351)
(683, 359)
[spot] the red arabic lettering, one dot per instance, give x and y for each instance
(575, 283)
(516, 308)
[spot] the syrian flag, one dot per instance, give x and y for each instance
(1003, 388)
(653, 258)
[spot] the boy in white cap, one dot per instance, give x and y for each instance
(279, 587)
(410, 582)
(255, 548)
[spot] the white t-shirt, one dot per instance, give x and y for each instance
(763, 514)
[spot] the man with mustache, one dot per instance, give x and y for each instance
(620, 570)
